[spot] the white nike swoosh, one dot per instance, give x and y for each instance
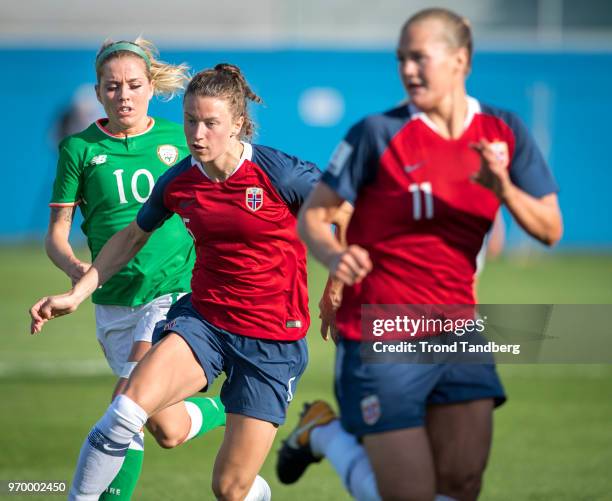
(112, 449)
(413, 167)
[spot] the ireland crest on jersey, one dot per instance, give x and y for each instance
(167, 153)
(254, 198)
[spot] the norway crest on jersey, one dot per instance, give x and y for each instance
(500, 149)
(254, 198)
(167, 153)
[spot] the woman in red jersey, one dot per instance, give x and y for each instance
(426, 180)
(248, 313)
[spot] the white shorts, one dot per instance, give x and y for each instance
(118, 327)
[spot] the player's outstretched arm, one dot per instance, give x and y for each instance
(349, 264)
(115, 254)
(540, 217)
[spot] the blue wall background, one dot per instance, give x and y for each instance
(563, 97)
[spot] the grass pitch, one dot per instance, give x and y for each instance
(553, 439)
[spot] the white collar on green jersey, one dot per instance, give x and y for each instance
(122, 136)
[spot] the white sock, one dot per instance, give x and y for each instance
(259, 491)
(442, 497)
(322, 436)
(348, 458)
(104, 449)
(361, 480)
(137, 442)
(196, 419)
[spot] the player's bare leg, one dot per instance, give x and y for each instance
(169, 373)
(170, 426)
(403, 464)
(460, 436)
(173, 425)
(245, 446)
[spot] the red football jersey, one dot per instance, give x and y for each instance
(250, 272)
(417, 211)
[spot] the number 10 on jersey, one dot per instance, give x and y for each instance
(134, 184)
(422, 195)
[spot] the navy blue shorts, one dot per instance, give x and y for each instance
(377, 397)
(262, 375)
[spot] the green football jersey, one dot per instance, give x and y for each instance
(110, 177)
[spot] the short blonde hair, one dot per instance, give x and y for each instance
(168, 79)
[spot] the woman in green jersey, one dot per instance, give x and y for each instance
(109, 170)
